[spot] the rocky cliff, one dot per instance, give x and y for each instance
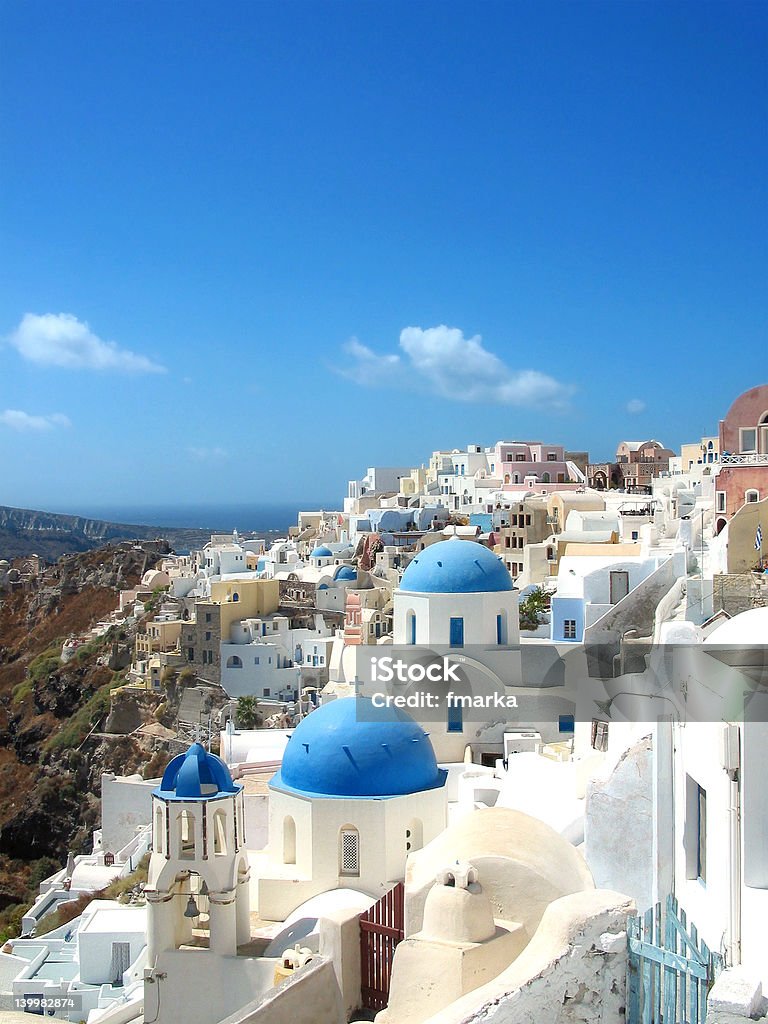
(26, 531)
(54, 741)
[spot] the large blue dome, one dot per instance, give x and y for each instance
(456, 567)
(322, 552)
(196, 775)
(346, 572)
(349, 748)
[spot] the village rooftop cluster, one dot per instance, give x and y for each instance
(560, 835)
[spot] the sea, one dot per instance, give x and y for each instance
(245, 518)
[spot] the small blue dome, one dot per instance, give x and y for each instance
(346, 572)
(196, 775)
(350, 748)
(456, 567)
(322, 552)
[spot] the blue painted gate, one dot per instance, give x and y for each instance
(669, 969)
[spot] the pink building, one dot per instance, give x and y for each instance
(743, 475)
(514, 461)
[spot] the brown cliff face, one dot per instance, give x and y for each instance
(51, 715)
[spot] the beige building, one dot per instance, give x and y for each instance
(700, 453)
(528, 523)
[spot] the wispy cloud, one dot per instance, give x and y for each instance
(60, 339)
(635, 405)
(24, 421)
(441, 360)
(209, 454)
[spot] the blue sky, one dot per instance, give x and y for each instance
(249, 249)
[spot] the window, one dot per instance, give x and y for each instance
(635, 535)
(289, 840)
(748, 439)
(520, 458)
(233, 661)
(569, 629)
(159, 833)
(721, 501)
(186, 826)
(410, 628)
(266, 691)
(219, 834)
(455, 717)
(565, 723)
(599, 735)
(751, 495)
(501, 628)
(456, 638)
(207, 616)
(208, 635)
(414, 835)
(349, 851)
(190, 654)
(551, 456)
(695, 830)
(528, 520)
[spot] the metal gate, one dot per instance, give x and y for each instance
(381, 929)
(669, 969)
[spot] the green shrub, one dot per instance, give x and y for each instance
(532, 607)
(23, 690)
(80, 724)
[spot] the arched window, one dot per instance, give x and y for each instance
(219, 833)
(410, 627)
(185, 823)
(289, 840)
(545, 478)
(751, 495)
(158, 836)
(235, 596)
(349, 850)
(501, 628)
(233, 661)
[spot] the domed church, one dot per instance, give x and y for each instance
(456, 593)
(359, 788)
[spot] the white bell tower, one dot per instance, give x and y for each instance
(197, 890)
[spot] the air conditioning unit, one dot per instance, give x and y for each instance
(522, 741)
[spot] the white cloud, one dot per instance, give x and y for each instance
(635, 405)
(446, 363)
(60, 339)
(23, 421)
(209, 454)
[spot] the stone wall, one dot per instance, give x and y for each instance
(734, 593)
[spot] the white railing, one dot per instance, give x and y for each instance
(752, 459)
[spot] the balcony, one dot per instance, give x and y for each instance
(747, 459)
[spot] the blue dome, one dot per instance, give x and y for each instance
(456, 567)
(322, 552)
(349, 748)
(346, 572)
(196, 775)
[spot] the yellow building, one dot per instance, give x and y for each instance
(704, 452)
(244, 599)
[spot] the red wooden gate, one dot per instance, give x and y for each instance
(381, 928)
